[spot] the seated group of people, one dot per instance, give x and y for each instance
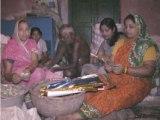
(128, 60)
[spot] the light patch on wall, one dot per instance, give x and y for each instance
(52, 4)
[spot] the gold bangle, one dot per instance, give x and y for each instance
(125, 70)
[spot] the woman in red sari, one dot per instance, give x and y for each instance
(135, 59)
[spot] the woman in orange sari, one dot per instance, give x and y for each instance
(135, 59)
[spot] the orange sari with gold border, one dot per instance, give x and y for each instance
(129, 90)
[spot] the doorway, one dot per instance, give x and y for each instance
(85, 13)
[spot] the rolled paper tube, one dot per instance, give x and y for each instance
(69, 90)
(62, 93)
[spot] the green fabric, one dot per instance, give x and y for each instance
(143, 42)
(88, 112)
(139, 49)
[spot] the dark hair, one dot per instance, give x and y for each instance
(109, 22)
(36, 29)
(65, 26)
(130, 17)
(22, 20)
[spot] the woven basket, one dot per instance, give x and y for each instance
(56, 106)
(16, 100)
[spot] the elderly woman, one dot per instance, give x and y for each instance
(135, 59)
(20, 58)
(72, 52)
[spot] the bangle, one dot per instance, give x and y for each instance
(125, 70)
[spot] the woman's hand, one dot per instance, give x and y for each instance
(107, 87)
(118, 69)
(108, 84)
(25, 74)
(49, 63)
(55, 69)
(16, 78)
(108, 67)
(107, 58)
(93, 60)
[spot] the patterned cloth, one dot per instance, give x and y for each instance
(129, 90)
(97, 39)
(20, 53)
(141, 45)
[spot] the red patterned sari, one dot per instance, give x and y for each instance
(129, 90)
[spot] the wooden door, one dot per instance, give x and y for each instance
(85, 13)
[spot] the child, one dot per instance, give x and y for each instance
(36, 34)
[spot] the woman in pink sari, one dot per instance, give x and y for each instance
(20, 59)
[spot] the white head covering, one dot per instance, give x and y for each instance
(15, 34)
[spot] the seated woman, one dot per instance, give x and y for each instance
(20, 59)
(72, 52)
(108, 36)
(134, 66)
(36, 34)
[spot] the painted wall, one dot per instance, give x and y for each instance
(64, 10)
(10, 9)
(149, 9)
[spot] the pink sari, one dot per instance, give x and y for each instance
(20, 53)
